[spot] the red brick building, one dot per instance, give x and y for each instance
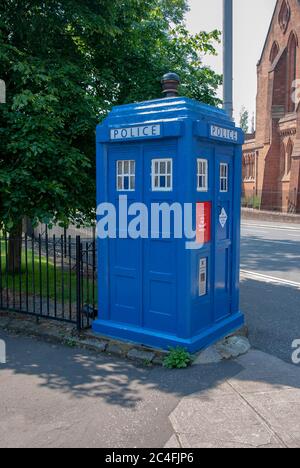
(271, 157)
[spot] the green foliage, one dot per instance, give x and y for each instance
(244, 120)
(65, 64)
(252, 202)
(178, 358)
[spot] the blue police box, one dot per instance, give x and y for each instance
(158, 290)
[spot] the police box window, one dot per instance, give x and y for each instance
(162, 175)
(224, 177)
(125, 176)
(202, 175)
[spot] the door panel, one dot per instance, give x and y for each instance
(159, 282)
(125, 253)
(223, 239)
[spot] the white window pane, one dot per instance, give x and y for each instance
(126, 167)
(202, 175)
(125, 175)
(162, 174)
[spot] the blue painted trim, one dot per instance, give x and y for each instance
(163, 341)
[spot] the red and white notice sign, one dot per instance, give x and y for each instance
(203, 221)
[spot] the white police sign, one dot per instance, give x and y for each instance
(135, 132)
(223, 133)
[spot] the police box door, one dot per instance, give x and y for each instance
(223, 235)
(125, 253)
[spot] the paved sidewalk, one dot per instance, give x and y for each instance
(55, 396)
(257, 408)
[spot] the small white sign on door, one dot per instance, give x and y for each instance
(223, 218)
(203, 277)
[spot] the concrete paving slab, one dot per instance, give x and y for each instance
(264, 373)
(173, 443)
(282, 411)
(220, 422)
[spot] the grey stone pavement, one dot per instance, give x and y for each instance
(53, 396)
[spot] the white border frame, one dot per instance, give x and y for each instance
(226, 178)
(123, 175)
(153, 175)
(206, 175)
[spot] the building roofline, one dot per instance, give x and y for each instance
(269, 31)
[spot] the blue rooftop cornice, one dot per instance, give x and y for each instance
(166, 109)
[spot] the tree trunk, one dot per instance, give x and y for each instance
(15, 249)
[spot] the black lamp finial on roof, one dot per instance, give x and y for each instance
(170, 84)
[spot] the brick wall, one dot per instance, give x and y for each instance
(276, 126)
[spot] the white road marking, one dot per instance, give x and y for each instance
(268, 279)
(264, 226)
(271, 241)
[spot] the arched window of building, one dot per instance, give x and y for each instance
(284, 15)
(292, 71)
(274, 52)
(253, 167)
(289, 154)
(244, 167)
(283, 159)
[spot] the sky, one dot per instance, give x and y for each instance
(250, 31)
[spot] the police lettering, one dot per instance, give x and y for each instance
(224, 133)
(135, 132)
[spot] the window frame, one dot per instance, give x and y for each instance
(159, 174)
(122, 175)
(205, 175)
(224, 177)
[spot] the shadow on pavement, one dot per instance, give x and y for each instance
(82, 374)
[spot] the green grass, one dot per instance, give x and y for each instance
(40, 274)
(252, 202)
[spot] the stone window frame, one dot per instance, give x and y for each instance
(274, 52)
(249, 167)
(284, 16)
(292, 50)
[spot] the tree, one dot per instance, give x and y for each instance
(244, 120)
(65, 64)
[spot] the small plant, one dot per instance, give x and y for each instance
(178, 358)
(147, 363)
(70, 342)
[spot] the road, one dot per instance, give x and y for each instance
(270, 288)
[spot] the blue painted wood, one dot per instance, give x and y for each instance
(149, 288)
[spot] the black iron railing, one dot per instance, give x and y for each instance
(49, 277)
(267, 200)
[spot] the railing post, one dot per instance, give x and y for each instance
(78, 282)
